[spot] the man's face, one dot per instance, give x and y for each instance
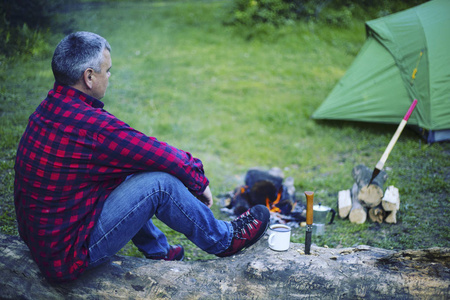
(102, 78)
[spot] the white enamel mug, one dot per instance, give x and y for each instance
(279, 237)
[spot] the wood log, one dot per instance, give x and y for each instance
(257, 273)
(391, 199)
(377, 214)
(391, 217)
(362, 174)
(344, 203)
(369, 195)
(358, 213)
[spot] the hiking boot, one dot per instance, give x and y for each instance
(176, 252)
(248, 228)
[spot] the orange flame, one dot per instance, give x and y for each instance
(271, 206)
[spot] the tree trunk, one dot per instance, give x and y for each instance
(358, 213)
(369, 195)
(258, 273)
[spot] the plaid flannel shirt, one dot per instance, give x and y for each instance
(72, 155)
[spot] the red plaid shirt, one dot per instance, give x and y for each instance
(72, 155)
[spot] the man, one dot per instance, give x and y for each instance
(86, 183)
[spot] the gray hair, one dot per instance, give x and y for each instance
(75, 53)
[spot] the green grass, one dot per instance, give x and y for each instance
(180, 75)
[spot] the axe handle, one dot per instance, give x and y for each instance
(391, 145)
(394, 139)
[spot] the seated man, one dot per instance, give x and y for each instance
(86, 183)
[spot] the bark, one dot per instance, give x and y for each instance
(362, 174)
(257, 273)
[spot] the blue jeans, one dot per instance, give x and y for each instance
(127, 214)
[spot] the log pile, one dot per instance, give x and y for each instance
(364, 200)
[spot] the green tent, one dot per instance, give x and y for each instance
(406, 56)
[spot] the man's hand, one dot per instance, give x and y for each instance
(206, 197)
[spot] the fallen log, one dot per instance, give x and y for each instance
(258, 273)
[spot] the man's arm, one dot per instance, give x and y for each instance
(206, 197)
(122, 150)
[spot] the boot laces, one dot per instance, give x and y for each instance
(242, 224)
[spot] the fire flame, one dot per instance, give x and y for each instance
(272, 206)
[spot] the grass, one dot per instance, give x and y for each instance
(180, 75)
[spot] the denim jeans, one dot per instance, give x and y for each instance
(127, 214)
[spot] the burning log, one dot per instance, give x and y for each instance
(358, 213)
(268, 188)
(348, 273)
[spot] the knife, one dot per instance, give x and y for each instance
(309, 220)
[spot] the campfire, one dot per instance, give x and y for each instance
(272, 206)
(268, 188)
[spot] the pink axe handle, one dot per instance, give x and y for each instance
(410, 110)
(394, 139)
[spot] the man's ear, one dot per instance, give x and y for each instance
(88, 77)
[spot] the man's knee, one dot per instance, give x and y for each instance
(157, 177)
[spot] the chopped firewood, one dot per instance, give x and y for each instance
(369, 195)
(362, 175)
(344, 203)
(392, 217)
(377, 214)
(358, 213)
(369, 199)
(391, 199)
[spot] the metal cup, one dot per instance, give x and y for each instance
(279, 237)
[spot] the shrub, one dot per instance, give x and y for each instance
(254, 13)
(273, 12)
(22, 40)
(23, 24)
